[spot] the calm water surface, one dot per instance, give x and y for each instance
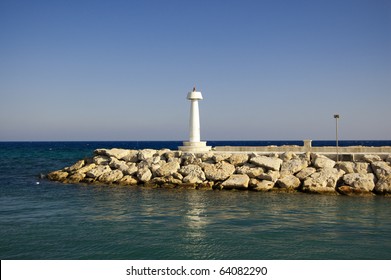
(50, 220)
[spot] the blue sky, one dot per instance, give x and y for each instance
(268, 69)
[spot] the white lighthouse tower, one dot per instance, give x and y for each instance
(194, 144)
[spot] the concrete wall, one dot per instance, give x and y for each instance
(307, 147)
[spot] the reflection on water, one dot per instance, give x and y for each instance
(72, 222)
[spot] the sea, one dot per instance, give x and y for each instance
(44, 220)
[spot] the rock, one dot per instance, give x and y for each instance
(128, 180)
(346, 166)
(87, 168)
(193, 174)
(111, 177)
(324, 180)
(219, 171)
(260, 185)
(308, 171)
(146, 154)
(101, 160)
(321, 161)
(77, 165)
(362, 167)
(144, 174)
(287, 156)
(75, 178)
(292, 166)
(238, 159)
(132, 169)
(250, 170)
(58, 175)
(98, 171)
(270, 176)
(207, 157)
(353, 167)
(358, 181)
(173, 181)
(117, 153)
(168, 169)
(236, 181)
(132, 156)
(194, 178)
(289, 182)
(381, 169)
(348, 190)
(190, 158)
(371, 158)
(388, 159)
(118, 164)
(383, 186)
(272, 163)
(170, 155)
(191, 168)
(178, 176)
(220, 157)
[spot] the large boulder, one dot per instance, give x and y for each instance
(58, 175)
(289, 182)
(77, 165)
(250, 170)
(371, 158)
(325, 180)
(292, 166)
(238, 159)
(383, 186)
(86, 168)
(306, 172)
(167, 169)
(320, 161)
(381, 169)
(144, 174)
(362, 167)
(98, 171)
(118, 164)
(260, 185)
(359, 181)
(190, 158)
(111, 177)
(219, 171)
(193, 174)
(75, 178)
(117, 153)
(271, 175)
(132, 156)
(236, 181)
(101, 160)
(272, 163)
(146, 154)
(346, 166)
(132, 169)
(128, 180)
(217, 157)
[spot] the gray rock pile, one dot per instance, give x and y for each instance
(312, 173)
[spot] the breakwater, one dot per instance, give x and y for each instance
(288, 171)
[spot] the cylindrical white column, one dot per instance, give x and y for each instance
(194, 122)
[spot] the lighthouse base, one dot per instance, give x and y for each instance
(195, 147)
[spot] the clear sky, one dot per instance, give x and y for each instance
(268, 69)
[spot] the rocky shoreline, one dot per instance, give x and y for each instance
(304, 172)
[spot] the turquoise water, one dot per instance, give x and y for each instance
(50, 220)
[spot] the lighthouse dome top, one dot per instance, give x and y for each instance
(194, 95)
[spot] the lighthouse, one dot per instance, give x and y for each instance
(194, 144)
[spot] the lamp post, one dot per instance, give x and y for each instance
(336, 117)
